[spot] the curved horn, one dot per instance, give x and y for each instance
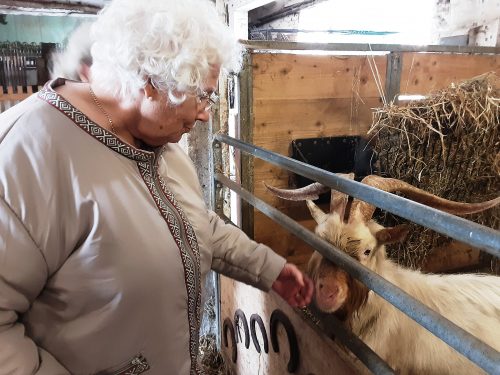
(309, 192)
(365, 210)
(317, 213)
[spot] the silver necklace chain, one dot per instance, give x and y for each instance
(98, 104)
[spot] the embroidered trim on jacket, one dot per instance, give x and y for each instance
(102, 135)
(184, 236)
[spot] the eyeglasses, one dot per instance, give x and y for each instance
(208, 100)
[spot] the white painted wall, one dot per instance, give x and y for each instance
(319, 355)
(417, 21)
(479, 19)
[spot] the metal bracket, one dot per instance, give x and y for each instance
(393, 80)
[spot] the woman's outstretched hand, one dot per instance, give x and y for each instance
(293, 286)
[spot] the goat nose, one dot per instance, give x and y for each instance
(328, 292)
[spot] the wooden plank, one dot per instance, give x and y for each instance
(287, 76)
(279, 122)
(246, 134)
(426, 72)
(451, 257)
(292, 119)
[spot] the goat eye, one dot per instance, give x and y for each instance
(367, 252)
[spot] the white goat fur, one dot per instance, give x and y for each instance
(471, 301)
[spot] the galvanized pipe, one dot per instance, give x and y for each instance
(478, 352)
(458, 228)
(263, 45)
(332, 326)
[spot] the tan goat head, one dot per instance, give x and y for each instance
(354, 232)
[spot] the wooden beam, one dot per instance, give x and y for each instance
(286, 10)
(46, 7)
(247, 5)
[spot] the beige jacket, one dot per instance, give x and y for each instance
(101, 259)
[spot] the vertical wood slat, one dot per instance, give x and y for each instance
(16, 60)
(246, 133)
(11, 98)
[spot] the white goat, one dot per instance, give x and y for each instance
(471, 301)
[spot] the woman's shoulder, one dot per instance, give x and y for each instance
(177, 165)
(29, 119)
(173, 151)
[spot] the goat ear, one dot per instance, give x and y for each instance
(338, 203)
(338, 200)
(318, 215)
(313, 265)
(392, 234)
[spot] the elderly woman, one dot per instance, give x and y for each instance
(104, 236)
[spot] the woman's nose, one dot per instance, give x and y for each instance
(203, 115)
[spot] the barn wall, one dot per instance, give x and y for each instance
(307, 96)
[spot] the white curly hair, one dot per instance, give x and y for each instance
(173, 43)
(68, 63)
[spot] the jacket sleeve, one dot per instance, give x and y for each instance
(238, 257)
(23, 273)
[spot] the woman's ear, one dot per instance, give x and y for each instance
(150, 92)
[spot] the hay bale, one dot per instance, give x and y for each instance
(447, 144)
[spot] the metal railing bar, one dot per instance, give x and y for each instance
(478, 352)
(456, 227)
(334, 327)
(367, 47)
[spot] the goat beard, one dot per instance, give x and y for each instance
(356, 299)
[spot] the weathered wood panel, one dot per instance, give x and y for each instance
(423, 73)
(287, 76)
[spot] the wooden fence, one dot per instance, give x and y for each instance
(10, 96)
(23, 69)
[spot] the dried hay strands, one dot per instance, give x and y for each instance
(211, 360)
(448, 144)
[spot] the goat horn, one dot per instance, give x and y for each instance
(309, 192)
(317, 213)
(338, 200)
(365, 210)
